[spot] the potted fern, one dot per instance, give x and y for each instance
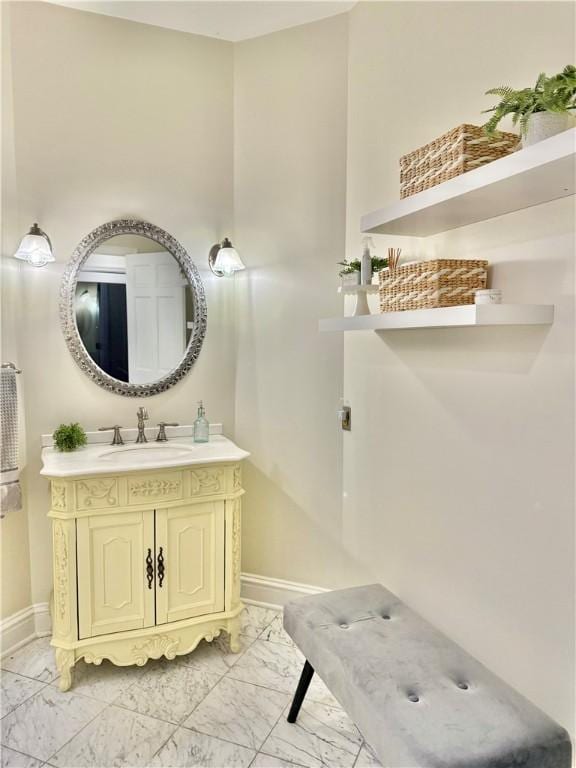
(69, 437)
(540, 112)
(350, 272)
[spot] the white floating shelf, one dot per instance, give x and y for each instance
(448, 317)
(538, 174)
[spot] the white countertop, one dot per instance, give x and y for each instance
(99, 459)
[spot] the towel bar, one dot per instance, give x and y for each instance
(11, 365)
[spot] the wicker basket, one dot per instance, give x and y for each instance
(431, 284)
(461, 149)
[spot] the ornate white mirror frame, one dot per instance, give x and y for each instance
(85, 248)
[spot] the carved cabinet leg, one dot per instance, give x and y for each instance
(234, 634)
(65, 661)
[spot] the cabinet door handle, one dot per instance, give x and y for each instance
(149, 569)
(161, 569)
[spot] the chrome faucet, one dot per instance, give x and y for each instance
(117, 439)
(162, 431)
(142, 414)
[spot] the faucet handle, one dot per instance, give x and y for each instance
(117, 439)
(162, 431)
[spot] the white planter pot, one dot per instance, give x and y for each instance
(350, 280)
(542, 125)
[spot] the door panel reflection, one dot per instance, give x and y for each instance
(134, 309)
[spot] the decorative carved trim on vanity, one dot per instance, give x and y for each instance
(237, 481)
(123, 650)
(58, 495)
(61, 597)
(236, 550)
(154, 647)
(154, 489)
(206, 481)
(97, 493)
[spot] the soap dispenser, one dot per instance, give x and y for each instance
(201, 426)
(366, 263)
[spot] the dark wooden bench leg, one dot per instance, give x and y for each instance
(304, 682)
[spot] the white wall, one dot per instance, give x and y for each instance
(289, 205)
(15, 553)
(459, 470)
(115, 119)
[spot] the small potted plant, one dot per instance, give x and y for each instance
(541, 111)
(69, 437)
(350, 272)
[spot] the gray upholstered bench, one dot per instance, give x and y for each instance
(419, 700)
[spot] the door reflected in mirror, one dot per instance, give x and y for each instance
(134, 309)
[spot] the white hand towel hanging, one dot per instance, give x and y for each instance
(10, 491)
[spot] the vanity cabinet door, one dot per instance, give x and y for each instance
(190, 561)
(115, 581)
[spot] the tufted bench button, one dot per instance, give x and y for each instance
(413, 698)
(463, 686)
(343, 625)
(386, 617)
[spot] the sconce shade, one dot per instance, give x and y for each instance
(225, 259)
(35, 248)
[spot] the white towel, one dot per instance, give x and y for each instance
(10, 491)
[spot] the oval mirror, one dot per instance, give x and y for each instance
(133, 308)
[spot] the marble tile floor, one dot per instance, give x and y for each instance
(209, 709)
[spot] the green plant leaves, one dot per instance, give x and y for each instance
(354, 266)
(550, 94)
(69, 437)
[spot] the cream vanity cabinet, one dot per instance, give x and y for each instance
(146, 563)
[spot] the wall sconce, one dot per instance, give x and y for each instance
(224, 259)
(35, 248)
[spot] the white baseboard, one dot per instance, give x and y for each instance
(272, 593)
(42, 620)
(24, 626)
(18, 629)
(34, 621)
